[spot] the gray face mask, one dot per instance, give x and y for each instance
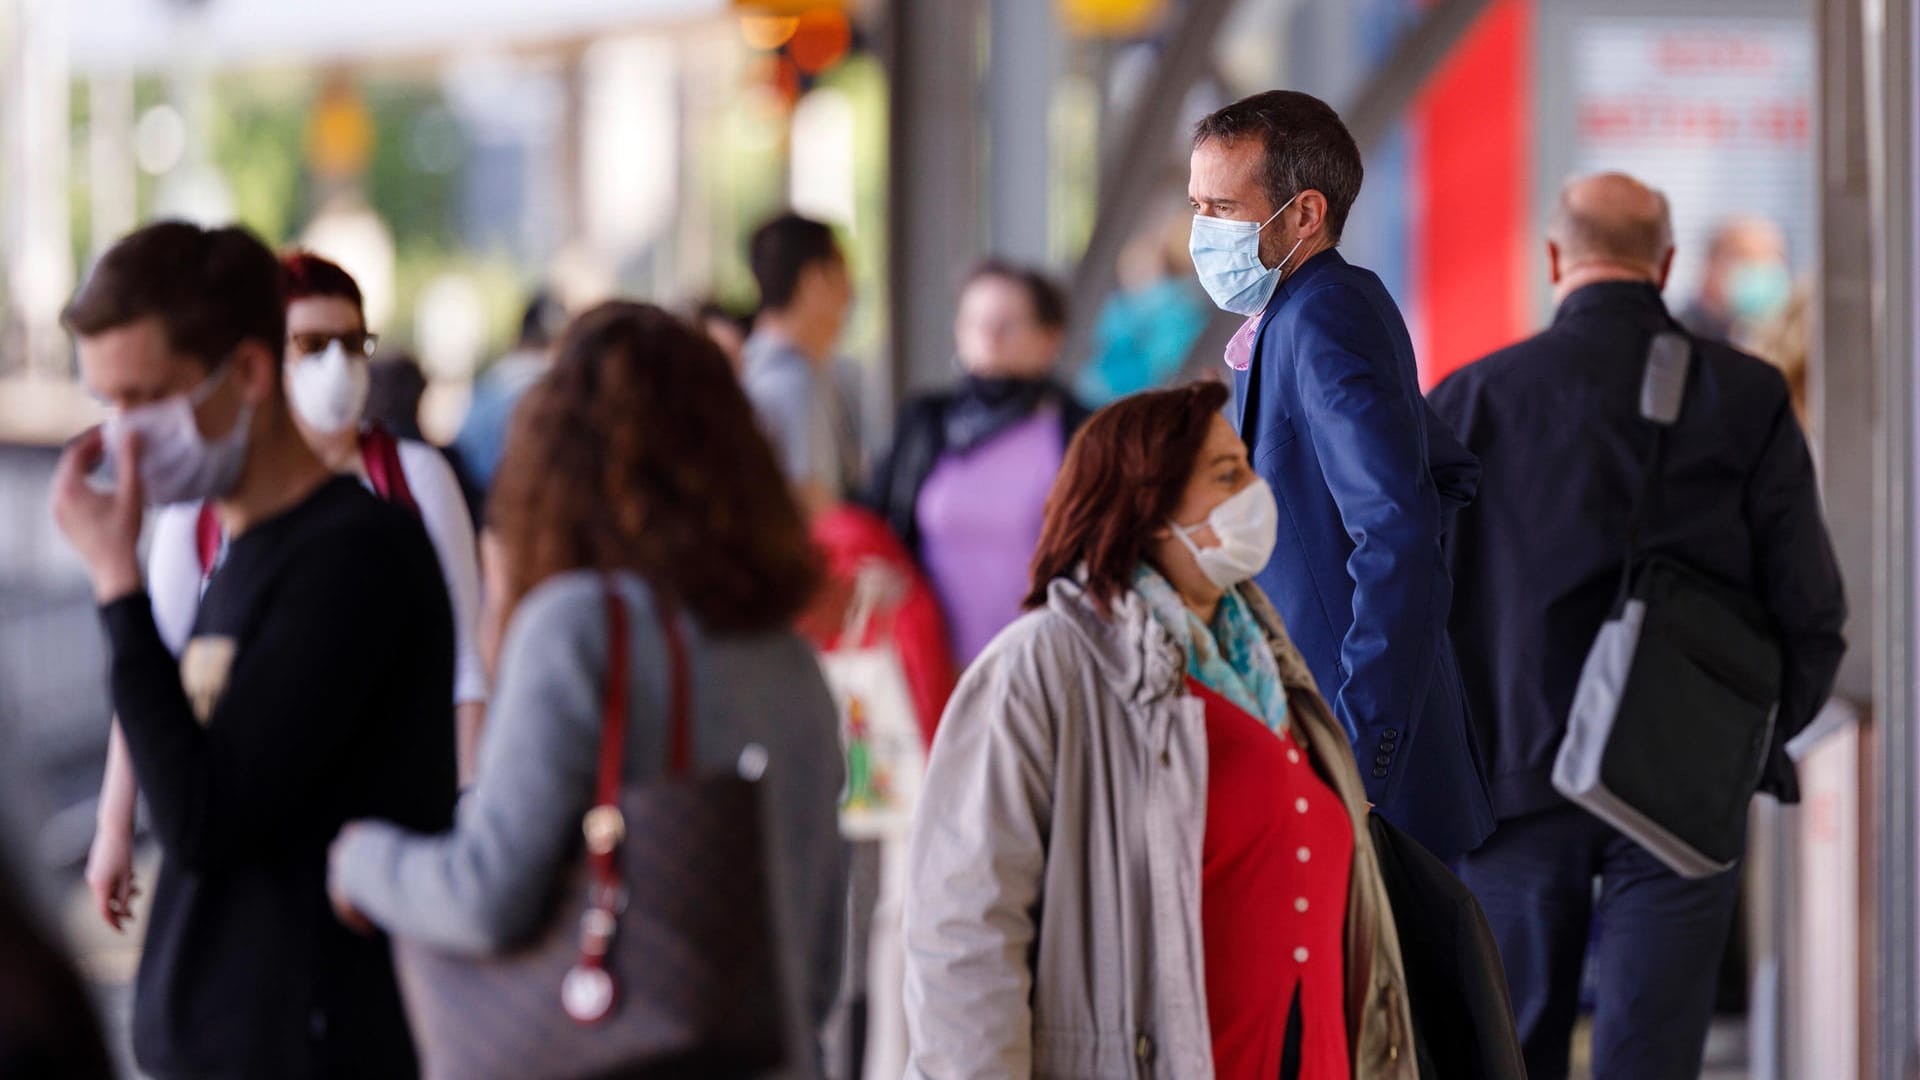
(177, 463)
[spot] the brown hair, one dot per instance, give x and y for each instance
(1123, 476)
(211, 289)
(1048, 301)
(309, 275)
(638, 451)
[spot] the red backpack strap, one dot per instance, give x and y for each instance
(380, 453)
(206, 539)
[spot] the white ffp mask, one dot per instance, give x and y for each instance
(329, 390)
(177, 463)
(1246, 524)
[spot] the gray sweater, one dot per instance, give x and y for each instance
(483, 886)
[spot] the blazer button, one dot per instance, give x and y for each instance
(1380, 773)
(1383, 761)
(1386, 748)
(1390, 733)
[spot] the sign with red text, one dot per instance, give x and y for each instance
(1717, 113)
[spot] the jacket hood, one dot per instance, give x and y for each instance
(1138, 655)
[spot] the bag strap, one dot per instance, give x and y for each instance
(380, 455)
(1663, 387)
(679, 708)
(207, 538)
(589, 991)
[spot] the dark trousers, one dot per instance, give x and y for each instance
(1658, 939)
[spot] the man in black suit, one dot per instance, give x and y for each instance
(1536, 562)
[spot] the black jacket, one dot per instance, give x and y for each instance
(1536, 559)
(920, 436)
(1462, 1014)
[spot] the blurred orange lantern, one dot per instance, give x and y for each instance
(786, 7)
(340, 133)
(768, 32)
(1112, 18)
(821, 40)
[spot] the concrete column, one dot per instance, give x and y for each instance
(39, 244)
(110, 167)
(933, 210)
(1023, 60)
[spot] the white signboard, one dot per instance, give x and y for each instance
(1717, 113)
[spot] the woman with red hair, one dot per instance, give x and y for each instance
(325, 370)
(1143, 848)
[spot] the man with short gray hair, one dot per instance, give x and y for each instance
(1537, 563)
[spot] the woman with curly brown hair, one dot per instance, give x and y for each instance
(633, 460)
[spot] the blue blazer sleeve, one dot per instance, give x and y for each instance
(1369, 432)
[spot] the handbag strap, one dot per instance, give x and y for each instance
(1654, 462)
(589, 990)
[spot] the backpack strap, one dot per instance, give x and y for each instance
(380, 454)
(206, 540)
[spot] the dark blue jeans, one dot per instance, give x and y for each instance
(1656, 953)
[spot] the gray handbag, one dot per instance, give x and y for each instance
(1674, 713)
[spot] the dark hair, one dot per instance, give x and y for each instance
(1123, 476)
(1049, 302)
(638, 450)
(711, 310)
(211, 289)
(1306, 146)
(393, 398)
(309, 275)
(543, 321)
(781, 250)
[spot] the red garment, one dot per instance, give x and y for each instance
(849, 536)
(1273, 900)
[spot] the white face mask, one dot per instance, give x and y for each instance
(1226, 256)
(177, 463)
(1246, 525)
(329, 390)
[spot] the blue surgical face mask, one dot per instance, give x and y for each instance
(1756, 290)
(1226, 256)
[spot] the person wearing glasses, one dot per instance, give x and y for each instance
(326, 378)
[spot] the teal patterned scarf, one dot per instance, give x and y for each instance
(1232, 657)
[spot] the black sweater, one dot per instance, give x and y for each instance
(313, 692)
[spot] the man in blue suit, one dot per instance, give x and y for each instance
(1367, 478)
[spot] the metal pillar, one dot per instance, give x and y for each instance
(1887, 38)
(1135, 166)
(933, 215)
(1846, 403)
(39, 246)
(110, 167)
(1023, 59)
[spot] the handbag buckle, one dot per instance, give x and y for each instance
(597, 926)
(587, 993)
(604, 827)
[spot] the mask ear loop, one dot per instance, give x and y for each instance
(1284, 272)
